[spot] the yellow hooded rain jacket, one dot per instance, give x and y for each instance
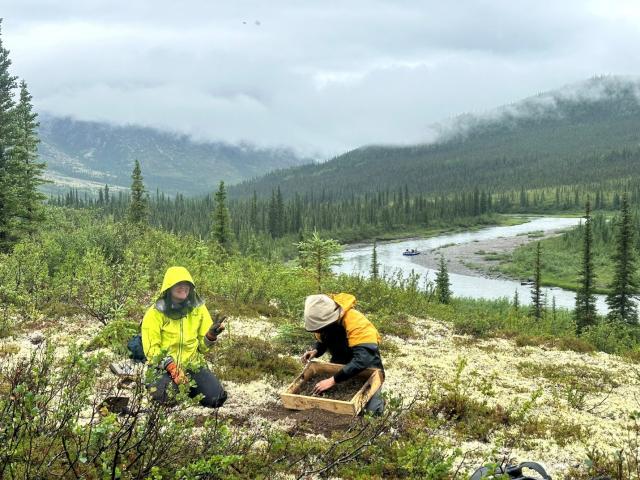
(181, 339)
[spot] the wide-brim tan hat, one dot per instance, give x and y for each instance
(320, 311)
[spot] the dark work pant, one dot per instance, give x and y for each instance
(163, 389)
(375, 404)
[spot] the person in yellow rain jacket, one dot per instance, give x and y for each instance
(176, 331)
(348, 335)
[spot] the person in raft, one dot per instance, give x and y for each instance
(176, 331)
(346, 333)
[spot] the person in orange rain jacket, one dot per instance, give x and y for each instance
(346, 333)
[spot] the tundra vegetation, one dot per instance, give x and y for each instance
(88, 279)
(468, 382)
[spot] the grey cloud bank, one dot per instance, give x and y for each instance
(321, 77)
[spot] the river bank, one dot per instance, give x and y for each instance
(481, 257)
(362, 238)
(472, 257)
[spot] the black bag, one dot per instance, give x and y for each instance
(514, 471)
(136, 352)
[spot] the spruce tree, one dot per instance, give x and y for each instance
(276, 214)
(621, 298)
(274, 221)
(443, 287)
(8, 171)
(139, 206)
(221, 220)
(319, 255)
(537, 298)
(253, 215)
(280, 210)
(516, 301)
(29, 169)
(375, 266)
(585, 311)
(299, 245)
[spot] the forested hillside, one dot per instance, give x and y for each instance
(589, 133)
(91, 154)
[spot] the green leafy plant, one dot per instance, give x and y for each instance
(115, 336)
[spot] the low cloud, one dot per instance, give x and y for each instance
(319, 77)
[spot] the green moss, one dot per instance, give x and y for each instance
(591, 379)
(9, 349)
(245, 359)
(560, 343)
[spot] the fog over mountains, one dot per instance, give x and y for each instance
(586, 132)
(88, 155)
(544, 134)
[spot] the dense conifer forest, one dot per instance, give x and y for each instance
(549, 141)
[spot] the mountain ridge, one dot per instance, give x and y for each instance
(93, 153)
(548, 139)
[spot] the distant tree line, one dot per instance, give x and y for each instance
(382, 211)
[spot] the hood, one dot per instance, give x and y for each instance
(165, 305)
(175, 275)
(345, 300)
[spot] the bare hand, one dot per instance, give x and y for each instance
(323, 385)
(308, 355)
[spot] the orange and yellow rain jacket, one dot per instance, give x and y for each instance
(353, 340)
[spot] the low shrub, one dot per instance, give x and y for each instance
(613, 337)
(115, 336)
(524, 340)
(578, 385)
(55, 421)
(574, 344)
(245, 359)
(9, 349)
(621, 464)
(562, 431)
(633, 355)
(399, 325)
(472, 419)
(454, 402)
(293, 339)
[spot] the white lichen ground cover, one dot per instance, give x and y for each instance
(496, 372)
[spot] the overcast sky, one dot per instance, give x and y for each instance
(322, 76)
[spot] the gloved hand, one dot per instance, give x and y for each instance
(216, 328)
(177, 375)
(308, 355)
